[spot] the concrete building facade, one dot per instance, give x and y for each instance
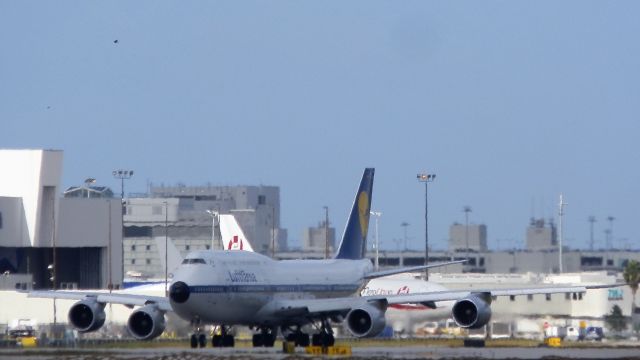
(183, 215)
(36, 223)
(475, 233)
(316, 238)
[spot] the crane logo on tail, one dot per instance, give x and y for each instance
(363, 213)
(235, 244)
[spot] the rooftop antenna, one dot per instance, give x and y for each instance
(560, 215)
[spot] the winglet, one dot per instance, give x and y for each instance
(354, 240)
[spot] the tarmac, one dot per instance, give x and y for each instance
(369, 353)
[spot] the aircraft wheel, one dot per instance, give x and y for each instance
(269, 340)
(202, 340)
(302, 339)
(194, 341)
(315, 340)
(257, 340)
(228, 341)
(216, 341)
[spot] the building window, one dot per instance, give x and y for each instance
(133, 248)
(530, 297)
(207, 247)
(262, 199)
(567, 296)
(148, 247)
(548, 297)
(187, 247)
(148, 261)
(133, 261)
(512, 298)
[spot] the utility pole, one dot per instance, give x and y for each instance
(560, 234)
(426, 179)
(591, 219)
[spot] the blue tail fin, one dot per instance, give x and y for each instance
(354, 240)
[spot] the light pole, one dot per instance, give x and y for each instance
(560, 216)
(467, 210)
(214, 215)
(591, 219)
(377, 214)
(610, 237)
(166, 248)
(326, 232)
(426, 179)
(404, 226)
(122, 175)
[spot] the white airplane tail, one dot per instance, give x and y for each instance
(233, 237)
(173, 254)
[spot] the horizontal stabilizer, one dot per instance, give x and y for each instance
(378, 274)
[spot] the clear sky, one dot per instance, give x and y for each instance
(510, 103)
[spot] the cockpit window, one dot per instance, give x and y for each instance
(193, 261)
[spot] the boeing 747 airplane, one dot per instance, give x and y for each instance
(246, 288)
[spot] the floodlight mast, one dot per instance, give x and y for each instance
(426, 179)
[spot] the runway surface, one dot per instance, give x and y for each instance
(370, 353)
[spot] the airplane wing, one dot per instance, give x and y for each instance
(318, 307)
(104, 297)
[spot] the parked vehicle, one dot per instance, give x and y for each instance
(595, 333)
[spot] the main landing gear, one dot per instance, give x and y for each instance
(325, 337)
(295, 336)
(266, 337)
(198, 339)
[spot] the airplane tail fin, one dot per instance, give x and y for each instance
(233, 237)
(173, 254)
(354, 240)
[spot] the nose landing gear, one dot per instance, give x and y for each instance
(224, 339)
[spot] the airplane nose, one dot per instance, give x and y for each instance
(179, 292)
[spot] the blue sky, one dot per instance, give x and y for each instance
(509, 103)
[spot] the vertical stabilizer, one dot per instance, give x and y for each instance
(233, 237)
(173, 254)
(354, 240)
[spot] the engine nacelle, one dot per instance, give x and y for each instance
(472, 312)
(146, 322)
(87, 315)
(366, 321)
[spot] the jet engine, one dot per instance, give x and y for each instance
(146, 322)
(366, 321)
(87, 315)
(472, 312)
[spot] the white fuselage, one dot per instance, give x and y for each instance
(233, 287)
